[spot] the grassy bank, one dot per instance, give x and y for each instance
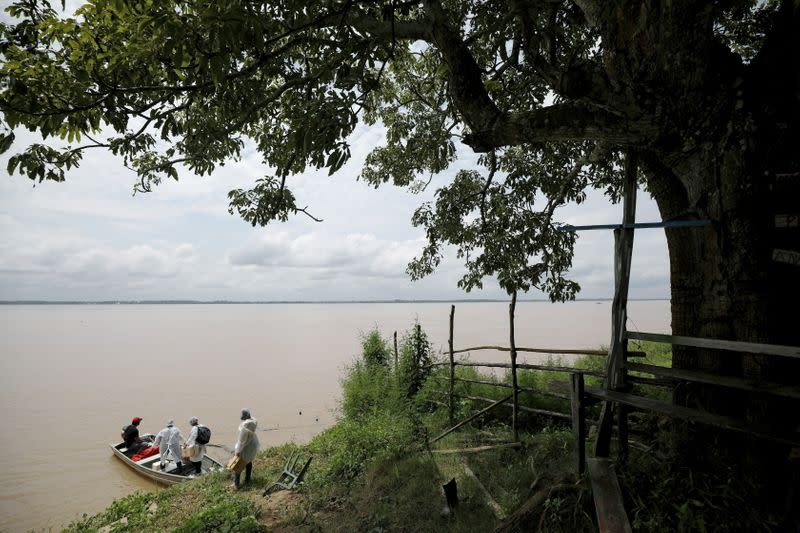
(375, 471)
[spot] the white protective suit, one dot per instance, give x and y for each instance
(201, 448)
(247, 444)
(169, 439)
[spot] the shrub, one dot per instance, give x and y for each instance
(229, 514)
(416, 356)
(368, 388)
(346, 449)
(374, 348)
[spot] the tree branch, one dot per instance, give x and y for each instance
(492, 128)
(560, 122)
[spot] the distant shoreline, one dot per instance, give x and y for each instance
(279, 302)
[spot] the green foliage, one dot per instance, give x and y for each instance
(670, 495)
(203, 506)
(174, 84)
(416, 356)
(227, 514)
(375, 349)
(377, 420)
(347, 449)
(743, 25)
(133, 508)
(368, 389)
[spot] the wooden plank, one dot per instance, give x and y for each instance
(525, 366)
(554, 414)
(735, 346)
(509, 386)
(473, 417)
(450, 401)
(578, 423)
(622, 433)
(623, 253)
(611, 516)
(786, 175)
(435, 402)
(541, 392)
(787, 221)
(493, 505)
(479, 449)
(790, 257)
(395, 351)
(515, 403)
(653, 382)
(693, 415)
(638, 225)
(553, 351)
(732, 382)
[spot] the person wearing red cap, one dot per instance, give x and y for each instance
(130, 434)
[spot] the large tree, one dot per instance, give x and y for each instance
(551, 92)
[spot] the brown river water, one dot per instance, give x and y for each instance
(72, 375)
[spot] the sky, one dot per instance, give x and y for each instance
(89, 238)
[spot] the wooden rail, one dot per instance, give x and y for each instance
(611, 516)
(525, 366)
(554, 351)
(717, 344)
(473, 417)
(507, 386)
(751, 385)
(693, 415)
(545, 412)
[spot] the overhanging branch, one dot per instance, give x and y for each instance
(491, 128)
(560, 122)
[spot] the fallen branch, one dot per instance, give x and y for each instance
(480, 448)
(521, 519)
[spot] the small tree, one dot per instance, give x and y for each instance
(416, 356)
(374, 348)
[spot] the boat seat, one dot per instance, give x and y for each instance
(148, 459)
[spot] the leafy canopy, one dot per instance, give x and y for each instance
(170, 83)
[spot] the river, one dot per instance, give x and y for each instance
(72, 375)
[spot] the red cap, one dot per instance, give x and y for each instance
(136, 420)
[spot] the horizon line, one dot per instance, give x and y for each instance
(262, 302)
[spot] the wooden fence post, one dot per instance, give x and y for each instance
(623, 251)
(418, 359)
(515, 412)
(450, 404)
(578, 420)
(395, 352)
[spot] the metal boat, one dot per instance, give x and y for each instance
(150, 467)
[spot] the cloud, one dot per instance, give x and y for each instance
(327, 255)
(89, 238)
(31, 259)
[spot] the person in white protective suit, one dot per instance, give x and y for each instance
(247, 446)
(169, 439)
(199, 449)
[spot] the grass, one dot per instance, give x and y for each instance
(374, 470)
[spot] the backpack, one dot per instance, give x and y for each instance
(203, 435)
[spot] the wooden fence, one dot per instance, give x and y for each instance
(614, 395)
(581, 396)
(514, 366)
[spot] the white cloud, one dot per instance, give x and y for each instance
(325, 254)
(89, 238)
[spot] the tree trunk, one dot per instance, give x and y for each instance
(725, 284)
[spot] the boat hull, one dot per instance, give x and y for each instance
(145, 467)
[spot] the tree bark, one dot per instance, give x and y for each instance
(726, 285)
